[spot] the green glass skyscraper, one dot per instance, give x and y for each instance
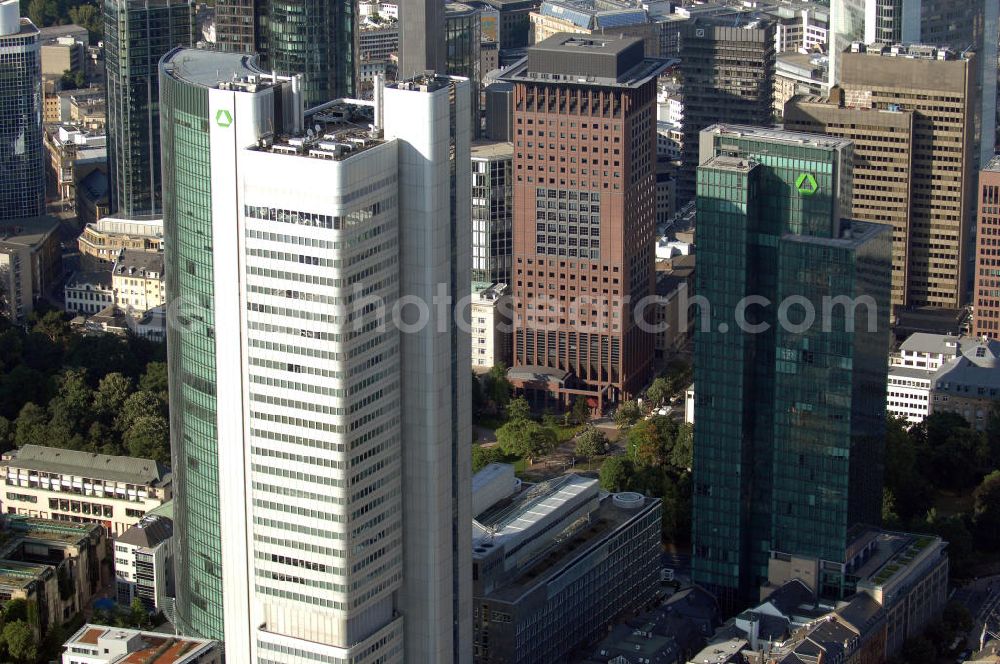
(137, 33)
(316, 39)
(789, 406)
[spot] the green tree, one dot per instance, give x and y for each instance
(31, 427)
(518, 409)
(919, 650)
(55, 327)
(956, 617)
(953, 530)
(645, 444)
(154, 380)
(14, 610)
(676, 506)
(138, 404)
(615, 474)
(484, 456)
(659, 391)
(890, 518)
(138, 615)
(19, 386)
(950, 452)
(478, 400)
(591, 443)
(149, 438)
(627, 414)
(497, 387)
(110, 396)
(682, 453)
(580, 413)
(986, 511)
(526, 439)
(7, 431)
(902, 474)
(71, 410)
(88, 16)
(21, 643)
(72, 80)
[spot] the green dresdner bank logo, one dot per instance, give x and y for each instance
(806, 184)
(223, 118)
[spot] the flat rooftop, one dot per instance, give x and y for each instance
(142, 472)
(594, 60)
(893, 553)
(777, 136)
(154, 648)
(15, 575)
(570, 545)
(852, 234)
(336, 131)
(594, 14)
(212, 69)
(492, 150)
(993, 165)
(28, 231)
(726, 163)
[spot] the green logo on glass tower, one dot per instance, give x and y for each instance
(223, 118)
(806, 184)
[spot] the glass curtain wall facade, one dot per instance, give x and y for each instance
(22, 192)
(187, 211)
(463, 32)
(492, 212)
(788, 452)
(136, 35)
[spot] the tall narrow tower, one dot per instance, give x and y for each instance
(136, 35)
(326, 510)
(421, 37)
(22, 180)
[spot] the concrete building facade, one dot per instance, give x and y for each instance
(144, 564)
(986, 293)
(361, 559)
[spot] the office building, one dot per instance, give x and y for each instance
(71, 150)
(102, 242)
(344, 215)
(969, 27)
(316, 39)
(136, 35)
(421, 46)
(584, 212)
(790, 408)
(491, 325)
(23, 191)
(728, 71)
(798, 74)
(144, 564)
(492, 211)
(99, 644)
(884, 152)
(462, 34)
(986, 294)
(30, 263)
(912, 370)
(65, 485)
(590, 17)
(937, 86)
(555, 564)
(800, 27)
(515, 22)
(969, 385)
(58, 568)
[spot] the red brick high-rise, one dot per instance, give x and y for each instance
(584, 214)
(986, 298)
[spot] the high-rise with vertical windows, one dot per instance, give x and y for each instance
(884, 150)
(492, 211)
(22, 193)
(137, 33)
(938, 87)
(316, 39)
(584, 214)
(463, 31)
(326, 504)
(790, 405)
(966, 26)
(728, 70)
(986, 296)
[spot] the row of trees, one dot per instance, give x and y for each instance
(45, 13)
(657, 462)
(102, 394)
(944, 457)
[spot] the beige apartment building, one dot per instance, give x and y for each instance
(81, 487)
(938, 86)
(137, 279)
(883, 161)
(491, 326)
